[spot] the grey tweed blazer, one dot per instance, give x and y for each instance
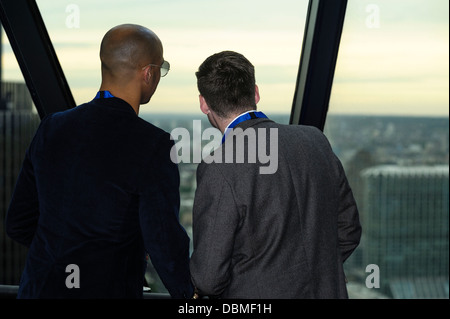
(284, 234)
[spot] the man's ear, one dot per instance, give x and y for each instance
(257, 97)
(203, 105)
(147, 75)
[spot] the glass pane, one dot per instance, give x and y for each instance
(269, 35)
(389, 124)
(18, 122)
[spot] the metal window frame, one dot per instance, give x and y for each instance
(321, 41)
(37, 59)
(50, 91)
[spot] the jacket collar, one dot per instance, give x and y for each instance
(115, 103)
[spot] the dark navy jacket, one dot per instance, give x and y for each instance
(98, 190)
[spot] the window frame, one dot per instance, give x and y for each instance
(50, 91)
(36, 56)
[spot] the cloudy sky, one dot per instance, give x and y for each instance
(393, 57)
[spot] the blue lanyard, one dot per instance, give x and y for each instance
(240, 119)
(103, 95)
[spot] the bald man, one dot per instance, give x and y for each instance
(98, 192)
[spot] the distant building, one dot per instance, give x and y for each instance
(405, 231)
(15, 97)
(18, 124)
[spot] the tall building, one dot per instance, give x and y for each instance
(406, 224)
(15, 97)
(18, 123)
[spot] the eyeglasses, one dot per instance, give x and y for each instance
(165, 67)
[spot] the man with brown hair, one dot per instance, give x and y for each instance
(263, 234)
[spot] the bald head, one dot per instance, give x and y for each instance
(127, 48)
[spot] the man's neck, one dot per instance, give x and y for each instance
(232, 118)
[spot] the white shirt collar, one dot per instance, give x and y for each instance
(251, 111)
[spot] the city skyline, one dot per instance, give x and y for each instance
(394, 147)
(389, 104)
(415, 145)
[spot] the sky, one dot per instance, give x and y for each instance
(393, 58)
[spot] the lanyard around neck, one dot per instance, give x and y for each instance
(103, 95)
(242, 118)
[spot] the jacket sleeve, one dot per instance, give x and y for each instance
(215, 222)
(349, 227)
(165, 239)
(23, 212)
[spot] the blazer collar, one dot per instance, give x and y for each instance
(115, 103)
(249, 123)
